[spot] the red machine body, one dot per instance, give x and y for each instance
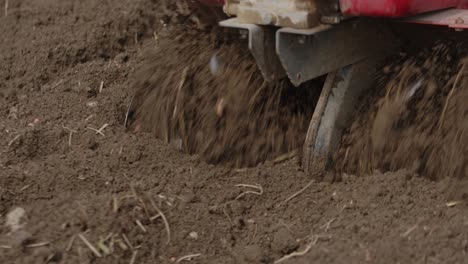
(397, 8)
(385, 8)
(451, 13)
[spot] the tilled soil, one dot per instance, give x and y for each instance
(86, 184)
(417, 121)
(209, 98)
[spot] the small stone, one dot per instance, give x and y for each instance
(14, 219)
(283, 242)
(193, 235)
(92, 104)
(19, 238)
(253, 253)
(121, 58)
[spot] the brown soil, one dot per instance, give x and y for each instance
(209, 98)
(73, 181)
(418, 121)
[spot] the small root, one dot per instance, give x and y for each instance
(166, 223)
(188, 257)
(299, 253)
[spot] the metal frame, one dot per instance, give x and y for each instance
(261, 45)
(291, 13)
(305, 54)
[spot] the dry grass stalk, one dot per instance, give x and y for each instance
(139, 199)
(327, 225)
(35, 245)
(13, 140)
(25, 187)
(188, 257)
(227, 215)
(155, 217)
(299, 192)
(457, 79)
(6, 7)
(128, 111)
(57, 84)
(115, 204)
(127, 241)
(101, 86)
(70, 243)
(102, 128)
(257, 187)
(254, 235)
(166, 223)
(132, 260)
(299, 253)
(453, 203)
(177, 99)
(121, 244)
(96, 130)
(286, 157)
(70, 135)
(90, 246)
(141, 226)
(409, 231)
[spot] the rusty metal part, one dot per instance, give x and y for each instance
(262, 45)
(310, 53)
(291, 13)
(334, 110)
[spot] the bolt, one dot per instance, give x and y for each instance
(243, 33)
(298, 76)
(268, 19)
(459, 21)
(301, 40)
(335, 7)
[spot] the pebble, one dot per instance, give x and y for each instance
(193, 235)
(14, 219)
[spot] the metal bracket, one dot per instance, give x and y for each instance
(309, 53)
(335, 108)
(261, 44)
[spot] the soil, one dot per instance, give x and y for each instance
(216, 103)
(73, 180)
(417, 121)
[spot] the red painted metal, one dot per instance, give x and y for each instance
(212, 2)
(396, 8)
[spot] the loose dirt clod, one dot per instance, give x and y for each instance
(15, 219)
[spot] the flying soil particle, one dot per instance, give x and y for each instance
(419, 120)
(232, 117)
